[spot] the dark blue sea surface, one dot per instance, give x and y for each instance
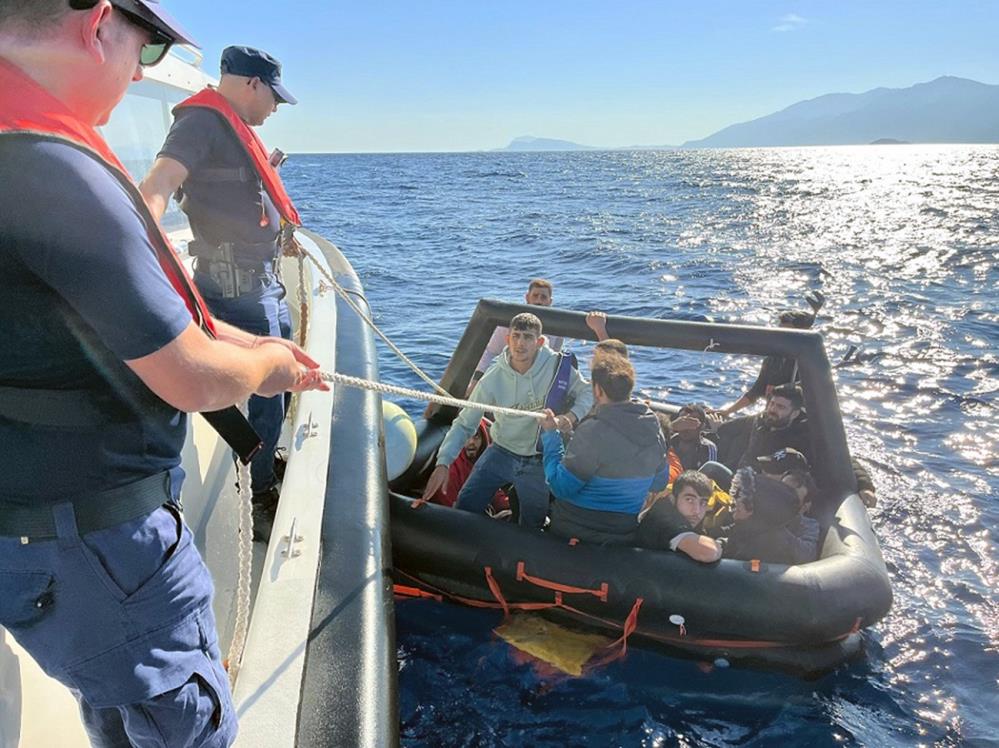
(902, 240)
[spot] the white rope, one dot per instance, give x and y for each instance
(243, 592)
(391, 389)
(343, 294)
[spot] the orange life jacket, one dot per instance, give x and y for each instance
(209, 98)
(675, 466)
(28, 109)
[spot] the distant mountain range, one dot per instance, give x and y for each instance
(945, 110)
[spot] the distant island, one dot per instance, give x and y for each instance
(531, 143)
(945, 110)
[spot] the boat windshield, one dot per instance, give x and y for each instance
(137, 130)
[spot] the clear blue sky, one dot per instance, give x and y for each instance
(443, 75)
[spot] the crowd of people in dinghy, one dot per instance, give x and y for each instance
(606, 468)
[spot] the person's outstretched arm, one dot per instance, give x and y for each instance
(194, 373)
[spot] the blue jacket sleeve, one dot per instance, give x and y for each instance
(661, 480)
(560, 479)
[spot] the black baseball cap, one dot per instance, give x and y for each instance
(782, 461)
(253, 63)
(148, 11)
(154, 14)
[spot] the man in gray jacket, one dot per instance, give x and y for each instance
(528, 375)
(617, 455)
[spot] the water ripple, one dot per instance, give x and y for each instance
(903, 242)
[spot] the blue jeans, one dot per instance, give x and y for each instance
(123, 617)
(261, 312)
(497, 467)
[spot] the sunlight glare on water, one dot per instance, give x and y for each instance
(902, 240)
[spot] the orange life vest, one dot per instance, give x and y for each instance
(209, 98)
(675, 466)
(28, 109)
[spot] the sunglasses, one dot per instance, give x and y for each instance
(152, 52)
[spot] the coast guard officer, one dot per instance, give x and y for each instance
(237, 207)
(103, 348)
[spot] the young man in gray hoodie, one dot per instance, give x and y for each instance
(528, 375)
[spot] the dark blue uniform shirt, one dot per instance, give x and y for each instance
(83, 291)
(227, 211)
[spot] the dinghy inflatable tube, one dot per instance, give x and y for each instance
(806, 618)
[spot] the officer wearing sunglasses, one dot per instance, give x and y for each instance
(101, 356)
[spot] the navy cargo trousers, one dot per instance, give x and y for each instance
(123, 617)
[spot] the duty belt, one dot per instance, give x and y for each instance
(96, 511)
(234, 275)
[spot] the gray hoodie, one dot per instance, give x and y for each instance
(503, 386)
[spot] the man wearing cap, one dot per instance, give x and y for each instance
(782, 461)
(103, 350)
(237, 206)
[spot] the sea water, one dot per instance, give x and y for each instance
(902, 240)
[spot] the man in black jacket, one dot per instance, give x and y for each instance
(763, 508)
(782, 425)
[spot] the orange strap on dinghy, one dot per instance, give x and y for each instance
(420, 588)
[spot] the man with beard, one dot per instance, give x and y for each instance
(782, 424)
(462, 467)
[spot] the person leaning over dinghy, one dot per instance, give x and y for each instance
(100, 356)
(777, 370)
(675, 521)
(528, 375)
(616, 456)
